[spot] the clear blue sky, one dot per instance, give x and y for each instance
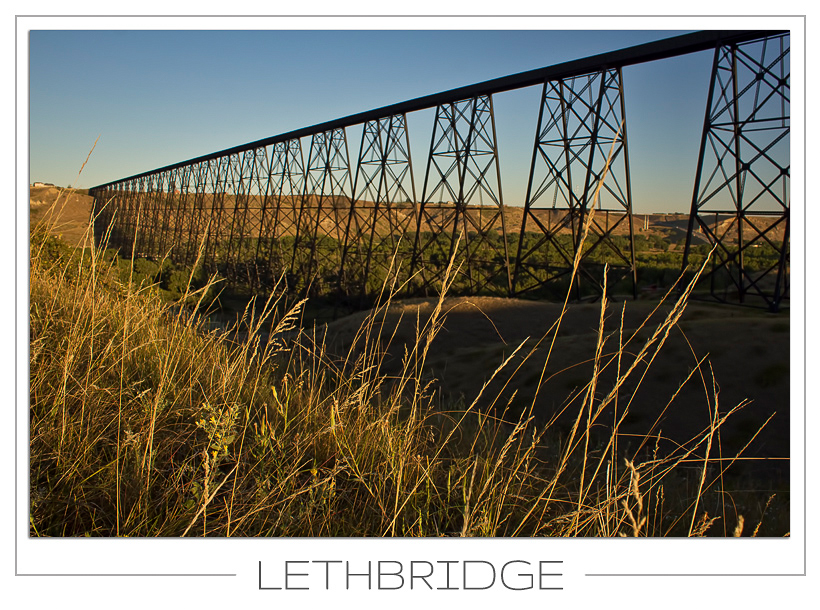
(158, 97)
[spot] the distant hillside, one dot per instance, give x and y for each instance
(65, 211)
(73, 210)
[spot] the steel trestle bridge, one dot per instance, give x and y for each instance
(298, 204)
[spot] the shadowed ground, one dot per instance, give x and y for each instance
(748, 351)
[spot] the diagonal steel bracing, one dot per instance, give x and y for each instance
(581, 120)
(280, 210)
(319, 238)
(740, 204)
(125, 204)
(107, 217)
(382, 214)
(461, 213)
(152, 208)
(215, 202)
(197, 214)
(176, 214)
(287, 187)
(251, 184)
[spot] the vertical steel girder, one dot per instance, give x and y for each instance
(232, 201)
(581, 119)
(382, 213)
(106, 230)
(740, 203)
(250, 183)
(319, 239)
(280, 216)
(216, 181)
(148, 211)
(197, 215)
(461, 213)
(128, 199)
(178, 214)
(140, 216)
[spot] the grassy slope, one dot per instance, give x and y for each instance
(142, 424)
(68, 218)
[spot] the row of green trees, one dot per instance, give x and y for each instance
(321, 266)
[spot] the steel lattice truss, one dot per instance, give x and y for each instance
(259, 211)
(741, 198)
(383, 212)
(323, 213)
(461, 211)
(581, 125)
(280, 216)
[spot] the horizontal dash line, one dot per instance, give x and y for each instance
(619, 575)
(72, 575)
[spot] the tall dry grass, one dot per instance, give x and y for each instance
(145, 423)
